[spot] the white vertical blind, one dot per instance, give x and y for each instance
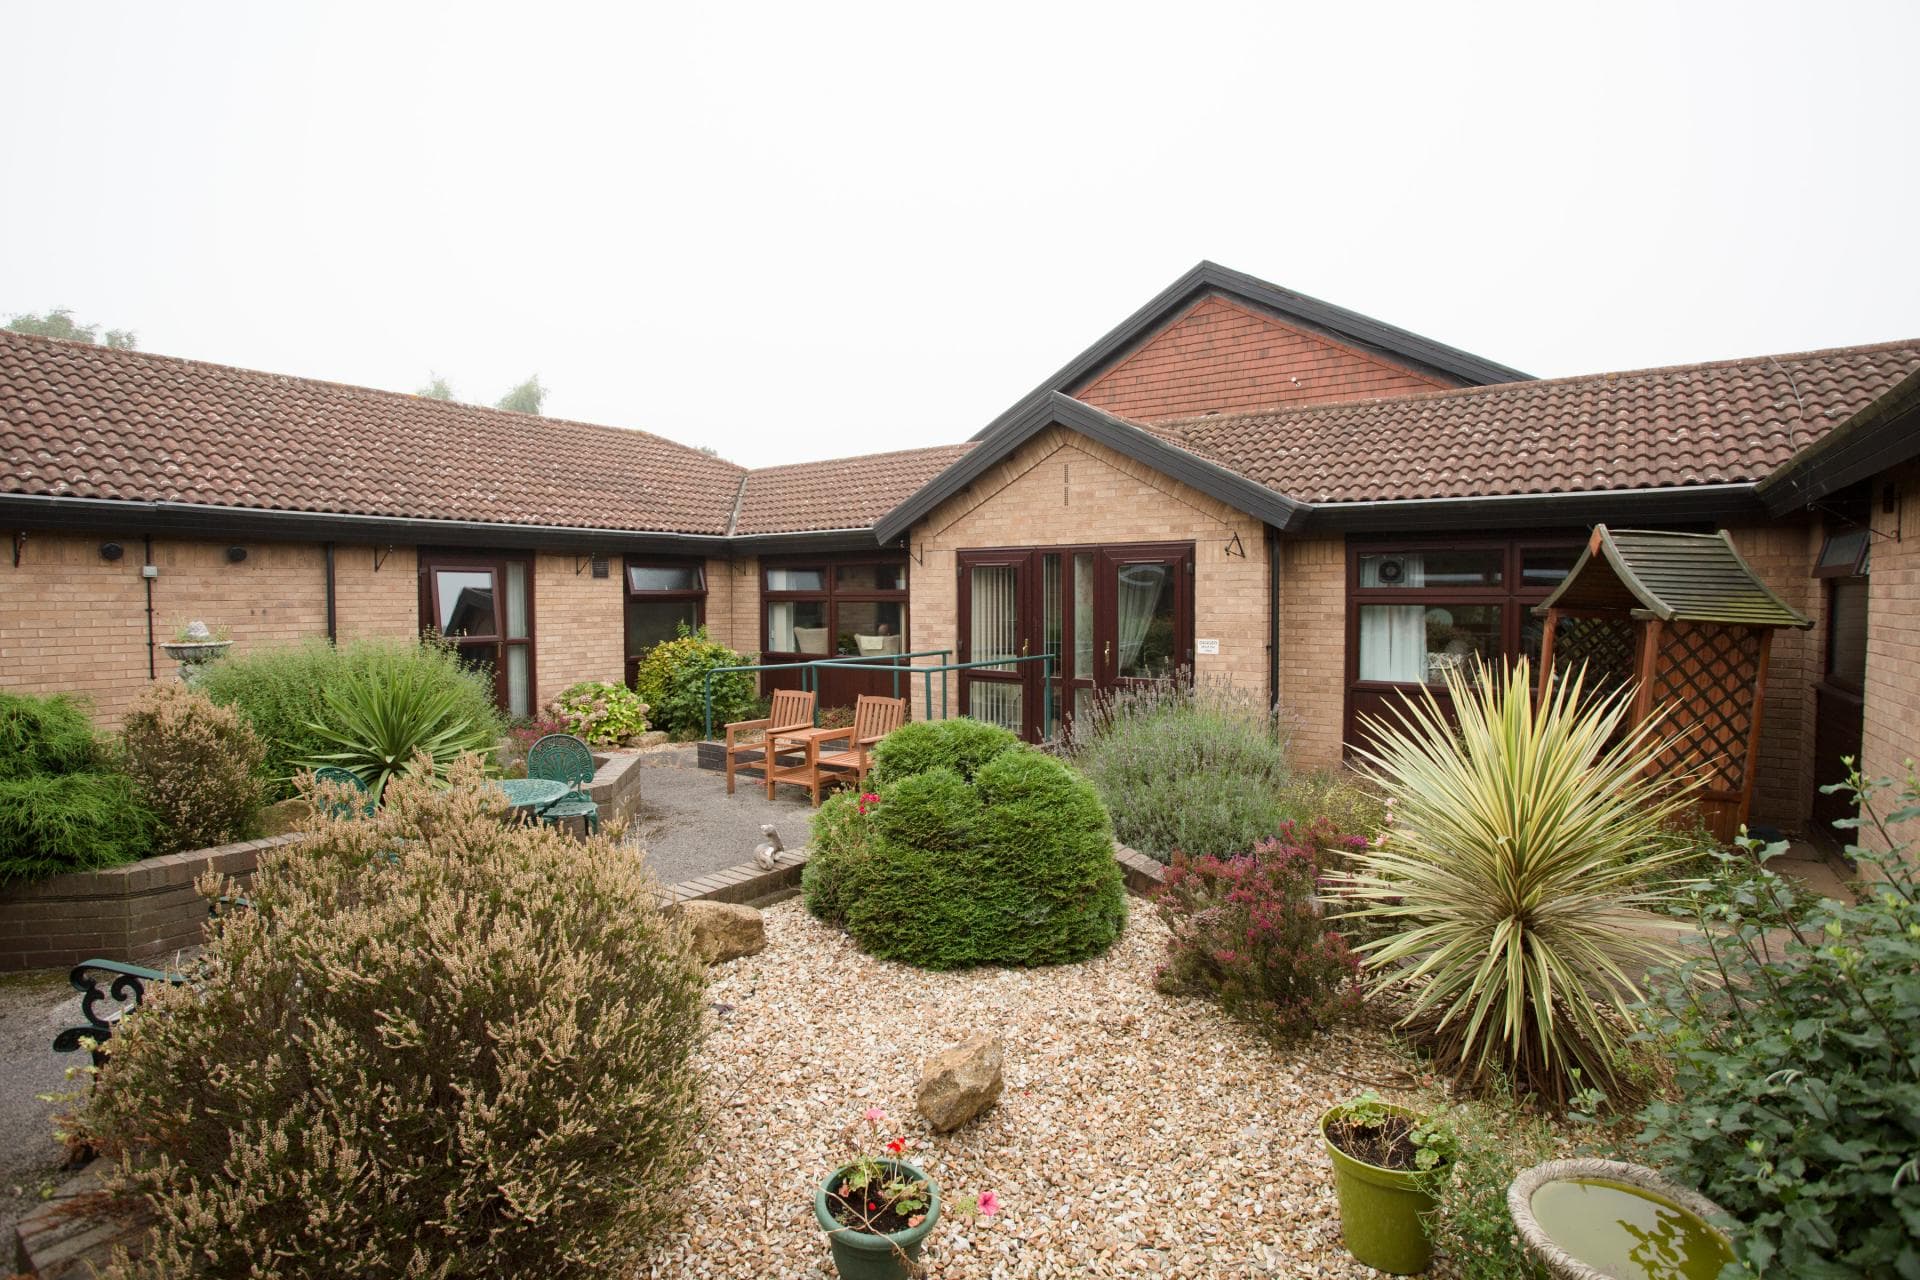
(994, 616)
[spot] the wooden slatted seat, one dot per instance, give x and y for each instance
(751, 740)
(873, 719)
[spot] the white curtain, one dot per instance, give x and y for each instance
(994, 618)
(1139, 595)
(780, 627)
(1393, 637)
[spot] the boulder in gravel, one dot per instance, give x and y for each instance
(724, 930)
(962, 1082)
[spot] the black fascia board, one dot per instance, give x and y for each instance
(1680, 504)
(1376, 336)
(1884, 434)
(198, 520)
(1117, 434)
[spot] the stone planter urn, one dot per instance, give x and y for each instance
(194, 649)
(1608, 1220)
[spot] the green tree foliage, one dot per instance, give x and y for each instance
(438, 1044)
(527, 397)
(437, 388)
(63, 806)
(1010, 865)
(672, 682)
(58, 323)
(1796, 1048)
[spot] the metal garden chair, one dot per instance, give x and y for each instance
(347, 778)
(561, 757)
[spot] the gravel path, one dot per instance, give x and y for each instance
(34, 1007)
(1138, 1134)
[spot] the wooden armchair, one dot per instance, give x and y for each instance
(792, 709)
(873, 719)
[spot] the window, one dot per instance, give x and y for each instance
(1843, 554)
(661, 596)
(483, 603)
(1423, 611)
(853, 609)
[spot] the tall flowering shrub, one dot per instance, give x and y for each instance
(602, 715)
(1250, 933)
(196, 764)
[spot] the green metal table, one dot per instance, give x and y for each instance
(532, 795)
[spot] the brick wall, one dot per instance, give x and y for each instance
(1783, 554)
(1313, 648)
(369, 601)
(1890, 736)
(579, 625)
(1062, 489)
(1221, 357)
(733, 603)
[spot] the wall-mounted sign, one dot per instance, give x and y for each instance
(1206, 646)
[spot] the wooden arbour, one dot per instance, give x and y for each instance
(1686, 619)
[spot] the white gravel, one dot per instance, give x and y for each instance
(1139, 1135)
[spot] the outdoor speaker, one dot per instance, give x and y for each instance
(236, 554)
(111, 551)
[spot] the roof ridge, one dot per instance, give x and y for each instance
(1348, 406)
(125, 353)
(856, 457)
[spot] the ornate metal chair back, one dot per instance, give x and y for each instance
(560, 757)
(347, 778)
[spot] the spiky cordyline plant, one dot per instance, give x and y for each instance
(1515, 872)
(382, 720)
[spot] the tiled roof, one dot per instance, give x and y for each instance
(1730, 421)
(841, 493)
(91, 422)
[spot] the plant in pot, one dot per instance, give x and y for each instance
(878, 1210)
(1387, 1161)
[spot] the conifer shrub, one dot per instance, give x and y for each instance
(438, 1044)
(1006, 859)
(64, 806)
(196, 765)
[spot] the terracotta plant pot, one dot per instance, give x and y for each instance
(1380, 1209)
(859, 1256)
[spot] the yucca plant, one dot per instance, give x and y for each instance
(1518, 874)
(382, 719)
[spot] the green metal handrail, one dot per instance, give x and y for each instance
(1046, 661)
(807, 682)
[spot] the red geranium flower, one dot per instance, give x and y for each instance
(896, 1146)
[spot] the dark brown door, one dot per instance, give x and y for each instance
(996, 620)
(1838, 699)
(483, 604)
(1143, 600)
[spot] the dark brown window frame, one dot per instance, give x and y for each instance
(832, 595)
(695, 597)
(1513, 597)
(462, 559)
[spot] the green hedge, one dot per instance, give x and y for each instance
(1005, 860)
(64, 806)
(672, 682)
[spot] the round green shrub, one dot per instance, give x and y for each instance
(672, 682)
(603, 715)
(960, 744)
(63, 804)
(438, 1044)
(1013, 866)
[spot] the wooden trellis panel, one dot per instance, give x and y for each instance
(1708, 677)
(1606, 644)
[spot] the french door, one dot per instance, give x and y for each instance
(483, 604)
(1109, 617)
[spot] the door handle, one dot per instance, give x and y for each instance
(1023, 648)
(1108, 657)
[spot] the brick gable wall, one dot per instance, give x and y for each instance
(1890, 735)
(1221, 357)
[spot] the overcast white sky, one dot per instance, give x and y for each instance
(806, 230)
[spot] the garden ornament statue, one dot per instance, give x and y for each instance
(763, 854)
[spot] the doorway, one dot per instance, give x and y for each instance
(482, 604)
(1110, 616)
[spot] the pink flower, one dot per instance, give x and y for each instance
(876, 1116)
(989, 1204)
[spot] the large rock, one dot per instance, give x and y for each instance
(724, 930)
(962, 1082)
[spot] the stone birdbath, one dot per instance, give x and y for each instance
(194, 647)
(1608, 1220)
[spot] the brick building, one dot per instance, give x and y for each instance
(1238, 479)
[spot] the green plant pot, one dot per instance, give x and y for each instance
(859, 1256)
(1380, 1209)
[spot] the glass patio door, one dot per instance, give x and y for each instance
(993, 626)
(483, 605)
(1144, 625)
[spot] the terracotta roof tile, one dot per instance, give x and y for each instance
(1730, 421)
(92, 422)
(841, 493)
